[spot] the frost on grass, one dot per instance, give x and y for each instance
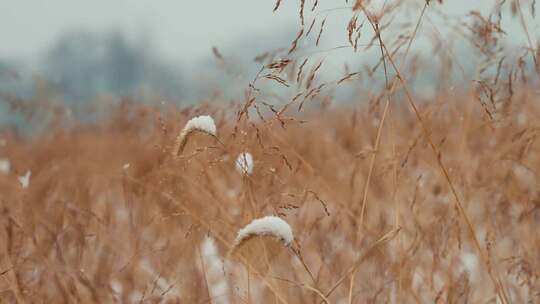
(272, 226)
(203, 123)
(25, 179)
(5, 166)
(244, 163)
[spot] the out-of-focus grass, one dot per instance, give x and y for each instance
(391, 199)
(111, 216)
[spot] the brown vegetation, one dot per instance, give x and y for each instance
(391, 199)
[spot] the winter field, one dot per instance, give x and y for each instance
(285, 194)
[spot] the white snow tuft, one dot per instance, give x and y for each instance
(269, 226)
(244, 163)
(203, 123)
(25, 179)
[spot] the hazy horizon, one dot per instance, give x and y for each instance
(178, 30)
(174, 41)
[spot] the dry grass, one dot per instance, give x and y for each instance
(391, 198)
(89, 230)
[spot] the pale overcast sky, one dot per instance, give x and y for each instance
(179, 29)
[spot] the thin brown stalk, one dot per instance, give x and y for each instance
(203, 273)
(386, 106)
(320, 32)
(383, 239)
(496, 281)
(529, 40)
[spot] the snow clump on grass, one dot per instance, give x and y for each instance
(203, 123)
(272, 226)
(25, 179)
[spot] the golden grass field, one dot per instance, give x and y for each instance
(391, 198)
(111, 216)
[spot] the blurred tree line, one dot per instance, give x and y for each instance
(84, 64)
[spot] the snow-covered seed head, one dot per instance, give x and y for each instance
(203, 123)
(272, 226)
(25, 179)
(244, 163)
